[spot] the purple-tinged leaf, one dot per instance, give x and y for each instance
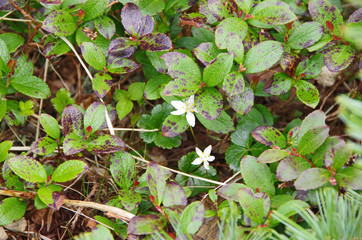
(105, 26)
(257, 175)
(73, 144)
(174, 195)
(94, 116)
(5, 5)
(129, 199)
(223, 124)
(134, 23)
(350, 177)
(263, 56)
(216, 71)
(155, 42)
(242, 103)
(72, 120)
(69, 170)
(289, 63)
(27, 168)
(291, 167)
(235, 48)
(255, 206)
(101, 84)
(120, 48)
(230, 29)
(123, 169)
(50, 195)
(192, 217)
(209, 103)
(311, 67)
(122, 66)
(54, 47)
(221, 9)
(193, 19)
(312, 140)
(174, 125)
(269, 136)
(93, 55)
(338, 57)
(60, 23)
(230, 191)
(322, 11)
(206, 52)
(156, 181)
(204, 10)
(43, 146)
(146, 224)
(280, 83)
(305, 35)
(106, 144)
(307, 93)
(312, 178)
(272, 155)
(355, 17)
(269, 14)
(11, 209)
(233, 84)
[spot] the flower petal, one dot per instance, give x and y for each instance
(178, 112)
(178, 105)
(197, 161)
(198, 151)
(191, 100)
(211, 158)
(207, 150)
(190, 118)
(206, 165)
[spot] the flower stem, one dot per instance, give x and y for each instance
(192, 132)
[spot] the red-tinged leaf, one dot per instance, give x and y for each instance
(209, 103)
(146, 224)
(312, 178)
(242, 103)
(156, 181)
(291, 167)
(51, 196)
(279, 84)
(122, 66)
(193, 19)
(338, 57)
(174, 125)
(330, 26)
(106, 144)
(289, 63)
(155, 42)
(230, 191)
(206, 52)
(269, 136)
(233, 84)
(174, 195)
(134, 23)
(120, 48)
(72, 120)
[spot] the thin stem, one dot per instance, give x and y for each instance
(192, 132)
(134, 129)
(15, 19)
(46, 67)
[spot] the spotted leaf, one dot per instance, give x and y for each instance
(269, 136)
(122, 66)
(50, 195)
(193, 19)
(123, 169)
(72, 120)
(215, 72)
(233, 84)
(242, 103)
(93, 55)
(44, 146)
(307, 93)
(209, 103)
(106, 144)
(27, 168)
(338, 57)
(134, 23)
(155, 42)
(146, 224)
(174, 125)
(232, 30)
(105, 26)
(305, 35)
(120, 48)
(101, 84)
(280, 83)
(291, 167)
(60, 23)
(206, 52)
(174, 195)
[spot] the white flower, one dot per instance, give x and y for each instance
(203, 157)
(187, 107)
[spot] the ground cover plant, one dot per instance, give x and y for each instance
(175, 119)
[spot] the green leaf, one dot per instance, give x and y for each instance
(192, 217)
(280, 84)
(313, 120)
(291, 167)
(98, 232)
(124, 107)
(105, 26)
(73, 144)
(123, 169)
(3, 108)
(338, 57)
(270, 13)
(94, 8)
(230, 191)
(311, 67)
(257, 175)
(122, 66)
(233, 84)
(215, 72)
(60, 23)
(156, 181)
(55, 47)
(326, 38)
(146, 224)
(174, 125)
(11, 180)
(4, 148)
(101, 84)
(206, 52)
(230, 30)
(272, 155)
(31, 86)
(209, 103)
(185, 72)
(44, 146)
(157, 61)
(233, 156)
(256, 206)
(27, 168)
(269, 136)
(263, 56)
(242, 103)
(93, 55)
(242, 136)
(152, 88)
(221, 9)
(106, 144)
(307, 93)
(150, 7)
(174, 195)
(94, 116)
(11, 210)
(312, 178)
(129, 199)
(341, 157)
(46, 195)
(350, 177)
(136, 91)
(12, 41)
(223, 124)
(331, 142)
(305, 35)
(245, 5)
(50, 125)
(69, 170)
(61, 100)
(312, 139)
(4, 56)
(288, 209)
(167, 142)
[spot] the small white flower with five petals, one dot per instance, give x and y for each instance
(203, 157)
(187, 107)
